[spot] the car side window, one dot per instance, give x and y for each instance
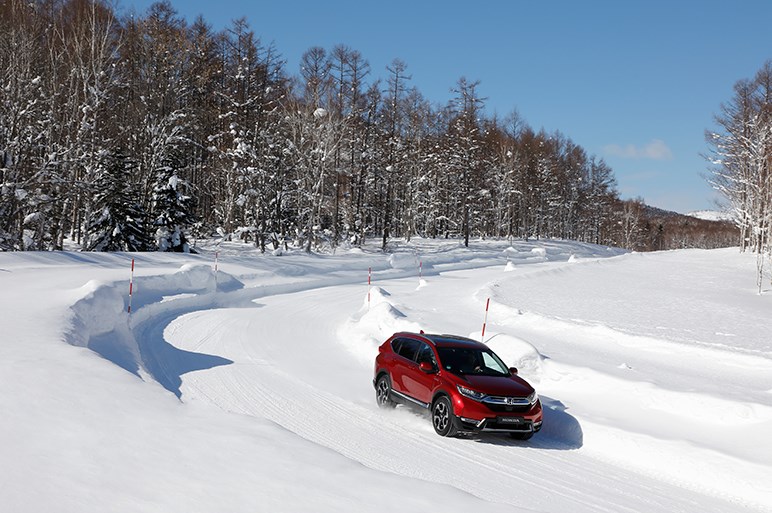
(425, 354)
(408, 348)
(396, 344)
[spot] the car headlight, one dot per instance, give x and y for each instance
(471, 394)
(533, 398)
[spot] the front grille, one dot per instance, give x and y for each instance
(505, 408)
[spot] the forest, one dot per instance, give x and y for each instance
(145, 132)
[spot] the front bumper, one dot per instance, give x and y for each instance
(474, 416)
(498, 425)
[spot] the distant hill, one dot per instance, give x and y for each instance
(648, 228)
(671, 230)
(650, 211)
(712, 215)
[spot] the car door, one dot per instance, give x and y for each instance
(419, 384)
(404, 363)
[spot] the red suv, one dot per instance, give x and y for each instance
(465, 386)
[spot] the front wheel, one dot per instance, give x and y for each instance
(443, 417)
(383, 392)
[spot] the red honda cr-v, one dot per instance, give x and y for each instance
(465, 385)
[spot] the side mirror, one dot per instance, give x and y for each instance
(513, 371)
(427, 367)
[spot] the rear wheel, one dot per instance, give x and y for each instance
(383, 392)
(443, 418)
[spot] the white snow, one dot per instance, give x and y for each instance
(712, 215)
(250, 389)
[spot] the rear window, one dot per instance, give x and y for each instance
(408, 348)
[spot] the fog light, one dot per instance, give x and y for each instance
(475, 422)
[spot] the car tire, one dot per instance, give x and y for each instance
(443, 419)
(383, 392)
(522, 436)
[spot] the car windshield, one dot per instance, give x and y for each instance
(470, 360)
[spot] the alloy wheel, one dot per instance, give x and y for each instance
(383, 393)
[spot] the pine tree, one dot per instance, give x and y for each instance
(172, 209)
(118, 220)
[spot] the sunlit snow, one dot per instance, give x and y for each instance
(250, 388)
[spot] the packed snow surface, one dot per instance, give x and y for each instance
(250, 388)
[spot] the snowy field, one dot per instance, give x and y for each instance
(250, 389)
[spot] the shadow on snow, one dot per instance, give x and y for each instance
(560, 430)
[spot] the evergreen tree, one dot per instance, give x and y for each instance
(172, 208)
(117, 221)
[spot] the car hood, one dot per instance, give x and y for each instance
(508, 386)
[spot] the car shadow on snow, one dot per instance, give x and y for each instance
(560, 430)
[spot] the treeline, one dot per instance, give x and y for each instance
(645, 228)
(136, 132)
(741, 151)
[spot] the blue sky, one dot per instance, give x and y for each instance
(635, 83)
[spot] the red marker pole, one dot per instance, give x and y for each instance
(487, 304)
(420, 270)
(131, 283)
(369, 281)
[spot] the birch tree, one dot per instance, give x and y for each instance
(741, 152)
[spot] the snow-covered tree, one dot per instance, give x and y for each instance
(118, 221)
(249, 176)
(172, 208)
(600, 193)
(323, 156)
(393, 169)
(465, 157)
(24, 176)
(741, 151)
(348, 69)
(314, 137)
